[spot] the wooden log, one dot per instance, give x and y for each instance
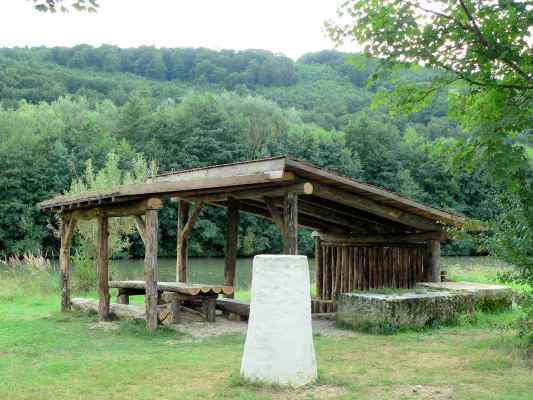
(325, 274)
(433, 248)
(187, 289)
(256, 193)
(125, 209)
(122, 311)
(233, 306)
(141, 226)
(68, 226)
(232, 235)
(277, 216)
(290, 245)
(209, 308)
(181, 242)
(123, 297)
(319, 264)
(102, 267)
(151, 270)
(175, 309)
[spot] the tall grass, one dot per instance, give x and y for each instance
(27, 275)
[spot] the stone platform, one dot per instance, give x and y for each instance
(487, 297)
(384, 311)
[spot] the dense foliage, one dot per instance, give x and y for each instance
(194, 107)
(485, 52)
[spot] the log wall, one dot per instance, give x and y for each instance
(348, 267)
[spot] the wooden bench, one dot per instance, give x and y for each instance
(235, 307)
(177, 293)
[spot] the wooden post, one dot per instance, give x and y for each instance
(175, 308)
(319, 264)
(123, 296)
(433, 259)
(150, 269)
(232, 234)
(68, 225)
(102, 267)
(290, 214)
(181, 242)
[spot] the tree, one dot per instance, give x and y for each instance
(482, 53)
(65, 5)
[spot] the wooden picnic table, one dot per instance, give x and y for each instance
(177, 292)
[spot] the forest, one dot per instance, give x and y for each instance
(184, 107)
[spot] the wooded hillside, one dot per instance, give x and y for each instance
(194, 107)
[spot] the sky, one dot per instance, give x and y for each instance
(291, 27)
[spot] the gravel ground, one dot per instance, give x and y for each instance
(224, 326)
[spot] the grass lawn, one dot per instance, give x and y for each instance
(48, 355)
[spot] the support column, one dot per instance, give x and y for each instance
(102, 267)
(67, 231)
(151, 275)
(232, 234)
(181, 242)
(290, 214)
(433, 260)
(319, 264)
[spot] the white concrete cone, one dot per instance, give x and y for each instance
(279, 343)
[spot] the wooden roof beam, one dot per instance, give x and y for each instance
(370, 206)
(119, 210)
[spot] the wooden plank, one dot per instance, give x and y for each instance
(102, 267)
(168, 189)
(151, 270)
(68, 226)
(268, 166)
(290, 245)
(232, 235)
(415, 238)
(181, 242)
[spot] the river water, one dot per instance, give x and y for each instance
(211, 270)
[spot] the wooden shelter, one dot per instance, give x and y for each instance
(366, 237)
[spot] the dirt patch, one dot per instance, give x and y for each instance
(418, 392)
(308, 392)
(199, 329)
(105, 326)
(221, 327)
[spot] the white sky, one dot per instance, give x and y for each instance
(291, 27)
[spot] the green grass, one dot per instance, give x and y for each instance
(48, 355)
